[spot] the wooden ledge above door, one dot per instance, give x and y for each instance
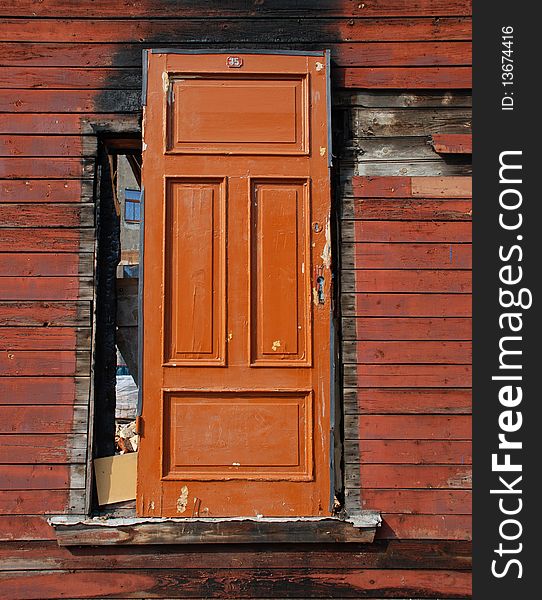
(80, 531)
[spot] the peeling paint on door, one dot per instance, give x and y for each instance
(182, 500)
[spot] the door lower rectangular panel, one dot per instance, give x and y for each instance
(238, 435)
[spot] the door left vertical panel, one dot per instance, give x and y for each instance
(195, 272)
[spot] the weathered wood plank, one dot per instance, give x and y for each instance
(245, 30)
(40, 477)
(36, 502)
(410, 77)
(22, 191)
(42, 124)
(408, 376)
(434, 527)
(424, 502)
(412, 452)
(404, 54)
(44, 390)
(398, 149)
(407, 305)
(46, 215)
(68, 124)
(34, 264)
(422, 281)
(43, 419)
(368, 122)
(17, 54)
(410, 352)
(240, 583)
(69, 101)
(405, 401)
(412, 187)
(441, 187)
(46, 288)
(407, 256)
(46, 168)
(232, 8)
(42, 145)
(406, 328)
(17, 527)
(125, 56)
(47, 314)
(369, 476)
(450, 168)
(452, 143)
(34, 556)
(382, 187)
(406, 231)
(213, 531)
(46, 240)
(45, 362)
(70, 78)
(48, 338)
(70, 60)
(406, 210)
(409, 427)
(402, 98)
(42, 449)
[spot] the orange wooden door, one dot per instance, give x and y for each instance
(236, 304)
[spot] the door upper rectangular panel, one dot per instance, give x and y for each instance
(236, 114)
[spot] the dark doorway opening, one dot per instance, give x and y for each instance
(117, 196)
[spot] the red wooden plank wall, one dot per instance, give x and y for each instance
(407, 353)
(401, 73)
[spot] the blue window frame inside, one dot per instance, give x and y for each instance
(132, 212)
